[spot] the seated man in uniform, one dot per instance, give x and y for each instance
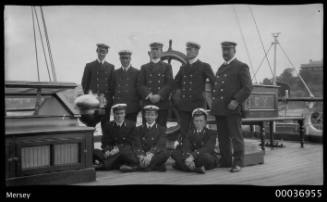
(197, 152)
(151, 151)
(118, 142)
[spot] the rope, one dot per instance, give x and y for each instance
(262, 45)
(36, 57)
(263, 59)
(244, 41)
(48, 44)
(299, 75)
(45, 58)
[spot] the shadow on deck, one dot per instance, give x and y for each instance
(290, 165)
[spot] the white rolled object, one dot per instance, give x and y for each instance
(87, 102)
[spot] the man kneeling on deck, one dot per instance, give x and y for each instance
(197, 152)
(151, 152)
(118, 142)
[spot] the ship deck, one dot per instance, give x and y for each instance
(290, 165)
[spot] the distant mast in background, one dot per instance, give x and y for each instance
(275, 43)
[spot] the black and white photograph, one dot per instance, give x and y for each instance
(221, 94)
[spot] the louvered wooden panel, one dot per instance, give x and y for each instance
(65, 154)
(35, 157)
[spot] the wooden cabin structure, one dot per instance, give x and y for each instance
(44, 143)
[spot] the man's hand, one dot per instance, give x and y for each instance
(149, 96)
(114, 151)
(107, 154)
(102, 100)
(141, 160)
(189, 162)
(147, 159)
(155, 98)
(233, 105)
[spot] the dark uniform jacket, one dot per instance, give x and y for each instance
(233, 81)
(158, 79)
(191, 80)
(151, 140)
(197, 143)
(114, 135)
(97, 78)
(125, 89)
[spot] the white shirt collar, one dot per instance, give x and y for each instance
(100, 61)
(150, 125)
(191, 61)
(229, 61)
(126, 68)
(199, 131)
(155, 60)
(119, 124)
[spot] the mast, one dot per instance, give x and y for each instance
(275, 43)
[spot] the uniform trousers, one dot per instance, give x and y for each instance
(230, 138)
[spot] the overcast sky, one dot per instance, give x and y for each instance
(74, 30)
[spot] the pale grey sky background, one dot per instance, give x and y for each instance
(74, 30)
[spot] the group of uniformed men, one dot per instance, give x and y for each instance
(127, 90)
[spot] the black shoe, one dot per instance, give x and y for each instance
(146, 169)
(235, 169)
(97, 165)
(175, 166)
(200, 170)
(161, 168)
(126, 168)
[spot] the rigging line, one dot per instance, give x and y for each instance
(299, 75)
(45, 58)
(263, 59)
(262, 45)
(48, 44)
(244, 41)
(35, 46)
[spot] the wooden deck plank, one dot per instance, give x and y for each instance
(283, 166)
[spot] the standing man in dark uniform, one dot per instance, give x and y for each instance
(124, 85)
(155, 82)
(97, 78)
(232, 87)
(190, 82)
